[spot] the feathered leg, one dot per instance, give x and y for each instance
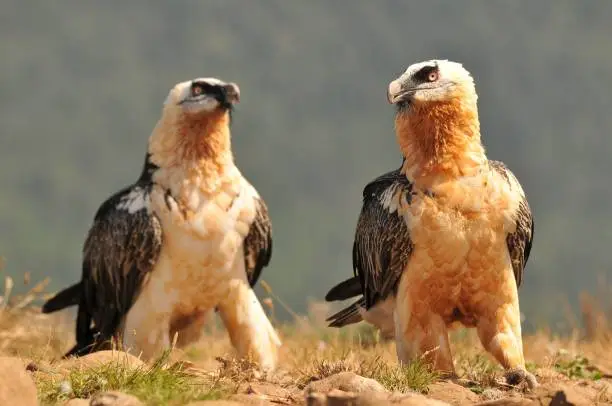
(421, 334)
(146, 331)
(249, 329)
(499, 330)
(189, 329)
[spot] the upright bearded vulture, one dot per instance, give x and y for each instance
(191, 235)
(446, 237)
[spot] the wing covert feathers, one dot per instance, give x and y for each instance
(121, 249)
(519, 242)
(258, 243)
(382, 243)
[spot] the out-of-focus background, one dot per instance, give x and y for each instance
(82, 85)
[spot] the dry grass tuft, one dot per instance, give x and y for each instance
(161, 383)
(24, 331)
(238, 370)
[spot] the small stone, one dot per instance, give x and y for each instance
(492, 394)
(509, 402)
(398, 399)
(115, 398)
(452, 393)
(346, 381)
(337, 397)
(244, 399)
(65, 388)
(77, 402)
(315, 399)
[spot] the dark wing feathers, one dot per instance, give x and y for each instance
(65, 298)
(382, 243)
(381, 250)
(258, 243)
(348, 315)
(120, 250)
(519, 242)
(344, 290)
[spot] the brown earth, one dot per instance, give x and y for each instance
(318, 366)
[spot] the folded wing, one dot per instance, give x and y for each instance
(258, 243)
(519, 242)
(381, 248)
(121, 249)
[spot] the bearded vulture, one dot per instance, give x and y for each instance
(445, 239)
(190, 235)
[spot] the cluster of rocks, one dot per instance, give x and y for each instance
(343, 389)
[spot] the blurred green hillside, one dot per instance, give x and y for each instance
(82, 84)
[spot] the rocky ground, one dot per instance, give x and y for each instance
(318, 366)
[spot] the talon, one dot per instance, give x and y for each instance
(169, 200)
(518, 376)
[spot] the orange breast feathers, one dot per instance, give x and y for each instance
(459, 236)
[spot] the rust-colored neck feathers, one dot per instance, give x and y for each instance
(440, 140)
(199, 142)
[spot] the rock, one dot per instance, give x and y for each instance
(77, 402)
(509, 402)
(215, 403)
(337, 397)
(345, 381)
(264, 393)
(114, 398)
(563, 394)
(100, 357)
(315, 399)
(16, 385)
(492, 394)
(399, 399)
(452, 393)
(244, 399)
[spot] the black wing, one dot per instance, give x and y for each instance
(344, 290)
(348, 315)
(382, 243)
(258, 243)
(519, 242)
(121, 248)
(70, 296)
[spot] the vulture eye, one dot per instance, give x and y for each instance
(427, 74)
(196, 89)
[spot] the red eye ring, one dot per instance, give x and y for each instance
(433, 76)
(196, 90)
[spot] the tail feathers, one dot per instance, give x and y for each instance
(66, 298)
(349, 315)
(81, 348)
(345, 290)
(88, 338)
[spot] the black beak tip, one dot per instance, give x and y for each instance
(232, 93)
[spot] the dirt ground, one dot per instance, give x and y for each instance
(576, 369)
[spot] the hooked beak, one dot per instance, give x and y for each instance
(396, 92)
(232, 93)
